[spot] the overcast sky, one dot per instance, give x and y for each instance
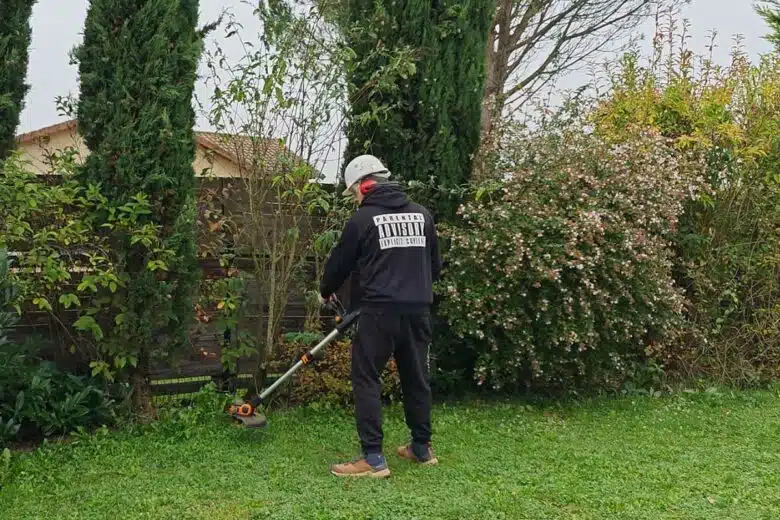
(58, 26)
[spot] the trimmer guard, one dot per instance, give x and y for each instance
(256, 420)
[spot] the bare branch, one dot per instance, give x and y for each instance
(551, 37)
(535, 8)
(535, 41)
(542, 28)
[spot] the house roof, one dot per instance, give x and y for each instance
(238, 148)
(235, 148)
(48, 130)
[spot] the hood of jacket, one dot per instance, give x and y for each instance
(386, 196)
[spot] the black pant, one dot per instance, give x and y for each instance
(407, 337)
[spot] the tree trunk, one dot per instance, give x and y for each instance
(270, 325)
(496, 55)
(490, 85)
(261, 365)
(142, 390)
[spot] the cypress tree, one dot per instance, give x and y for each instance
(426, 127)
(770, 12)
(431, 129)
(137, 66)
(15, 36)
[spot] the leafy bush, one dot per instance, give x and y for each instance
(327, 381)
(37, 399)
(223, 305)
(560, 275)
(63, 227)
(728, 240)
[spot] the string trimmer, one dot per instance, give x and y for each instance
(247, 413)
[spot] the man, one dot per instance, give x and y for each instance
(392, 242)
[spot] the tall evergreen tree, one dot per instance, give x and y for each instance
(425, 126)
(137, 66)
(432, 127)
(15, 36)
(770, 11)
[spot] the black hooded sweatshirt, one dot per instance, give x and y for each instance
(392, 242)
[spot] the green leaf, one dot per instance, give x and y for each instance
(87, 283)
(19, 402)
(42, 303)
(68, 300)
(88, 323)
(119, 319)
(156, 265)
(101, 367)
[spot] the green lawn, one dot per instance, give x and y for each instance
(689, 456)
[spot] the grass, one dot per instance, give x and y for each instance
(688, 456)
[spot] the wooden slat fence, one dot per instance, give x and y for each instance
(194, 368)
(201, 363)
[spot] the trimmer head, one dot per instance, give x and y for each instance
(256, 420)
(248, 416)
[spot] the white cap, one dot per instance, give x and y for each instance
(363, 166)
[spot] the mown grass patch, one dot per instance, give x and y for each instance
(688, 456)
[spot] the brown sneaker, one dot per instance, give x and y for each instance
(406, 452)
(360, 468)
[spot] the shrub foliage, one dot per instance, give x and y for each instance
(561, 275)
(727, 260)
(65, 261)
(425, 123)
(641, 230)
(327, 381)
(36, 398)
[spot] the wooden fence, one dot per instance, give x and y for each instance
(202, 360)
(193, 368)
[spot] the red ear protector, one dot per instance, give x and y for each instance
(366, 186)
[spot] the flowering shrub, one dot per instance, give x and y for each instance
(728, 240)
(560, 275)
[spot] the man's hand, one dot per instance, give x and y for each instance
(324, 300)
